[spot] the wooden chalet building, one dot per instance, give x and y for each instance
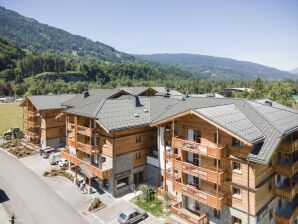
(40, 126)
(222, 160)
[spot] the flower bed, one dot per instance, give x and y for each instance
(16, 148)
(95, 205)
(61, 173)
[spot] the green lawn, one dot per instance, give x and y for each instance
(154, 207)
(11, 115)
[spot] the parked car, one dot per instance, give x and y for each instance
(63, 163)
(54, 159)
(132, 216)
(46, 151)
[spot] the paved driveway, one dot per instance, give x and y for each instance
(69, 192)
(31, 199)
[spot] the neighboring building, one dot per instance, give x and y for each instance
(229, 92)
(40, 126)
(230, 160)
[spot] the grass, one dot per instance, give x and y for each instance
(10, 116)
(154, 207)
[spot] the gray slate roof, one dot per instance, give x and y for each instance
(94, 96)
(253, 121)
(47, 102)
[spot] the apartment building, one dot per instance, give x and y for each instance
(40, 126)
(109, 140)
(223, 160)
(230, 160)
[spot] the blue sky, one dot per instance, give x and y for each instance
(262, 31)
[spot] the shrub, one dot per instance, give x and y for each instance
(94, 204)
(46, 173)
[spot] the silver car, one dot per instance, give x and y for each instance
(131, 216)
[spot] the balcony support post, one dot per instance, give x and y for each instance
(173, 153)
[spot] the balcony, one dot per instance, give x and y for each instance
(205, 150)
(89, 149)
(286, 190)
(84, 130)
(286, 168)
(288, 213)
(32, 123)
(31, 113)
(206, 196)
(102, 174)
(289, 147)
(205, 173)
(190, 217)
(31, 134)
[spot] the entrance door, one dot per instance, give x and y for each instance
(138, 178)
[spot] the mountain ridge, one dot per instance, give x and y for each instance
(213, 67)
(29, 34)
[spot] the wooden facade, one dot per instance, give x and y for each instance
(208, 167)
(41, 126)
(89, 143)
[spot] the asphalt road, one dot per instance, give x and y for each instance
(30, 199)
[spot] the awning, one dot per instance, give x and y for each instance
(86, 170)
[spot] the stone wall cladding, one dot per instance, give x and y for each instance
(225, 215)
(55, 142)
(152, 175)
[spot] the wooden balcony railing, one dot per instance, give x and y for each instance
(284, 218)
(102, 174)
(84, 130)
(289, 147)
(89, 149)
(31, 112)
(188, 216)
(70, 142)
(206, 197)
(32, 123)
(206, 150)
(31, 134)
(288, 170)
(206, 173)
(287, 193)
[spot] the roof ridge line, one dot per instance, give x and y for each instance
(99, 108)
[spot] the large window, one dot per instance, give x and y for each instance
(123, 182)
(197, 136)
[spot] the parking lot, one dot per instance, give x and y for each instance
(79, 201)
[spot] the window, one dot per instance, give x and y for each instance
(215, 163)
(216, 214)
(236, 167)
(103, 159)
(61, 140)
(279, 203)
(138, 155)
(270, 213)
(270, 163)
(138, 138)
(236, 142)
(236, 220)
(123, 182)
(278, 178)
(236, 192)
(197, 136)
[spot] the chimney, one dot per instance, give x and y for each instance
(268, 103)
(86, 94)
(137, 101)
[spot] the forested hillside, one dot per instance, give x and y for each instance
(30, 34)
(209, 67)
